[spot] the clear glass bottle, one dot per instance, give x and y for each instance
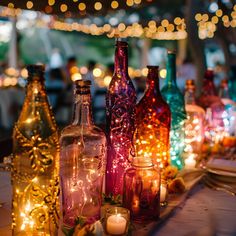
(35, 163)
(120, 105)
(194, 125)
(82, 161)
(142, 190)
(175, 99)
(153, 123)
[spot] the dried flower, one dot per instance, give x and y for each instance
(176, 186)
(169, 172)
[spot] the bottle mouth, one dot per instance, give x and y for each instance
(151, 67)
(121, 42)
(35, 70)
(82, 86)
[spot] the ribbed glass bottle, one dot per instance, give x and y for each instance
(120, 105)
(35, 163)
(82, 162)
(153, 119)
(175, 99)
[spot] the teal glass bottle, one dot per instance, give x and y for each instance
(175, 99)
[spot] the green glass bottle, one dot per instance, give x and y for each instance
(175, 99)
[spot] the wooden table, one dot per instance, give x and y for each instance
(200, 211)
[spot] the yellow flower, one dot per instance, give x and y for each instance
(169, 172)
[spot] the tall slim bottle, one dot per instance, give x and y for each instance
(153, 119)
(175, 99)
(82, 162)
(120, 105)
(35, 163)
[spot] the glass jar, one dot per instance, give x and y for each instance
(142, 191)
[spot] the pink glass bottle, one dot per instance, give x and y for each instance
(214, 123)
(120, 105)
(142, 190)
(82, 162)
(153, 118)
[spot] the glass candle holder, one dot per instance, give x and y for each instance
(142, 192)
(117, 221)
(163, 193)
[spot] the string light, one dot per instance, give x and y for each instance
(114, 4)
(98, 6)
(82, 6)
(29, 4)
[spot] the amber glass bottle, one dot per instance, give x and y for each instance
(153, 119)
(35, 163)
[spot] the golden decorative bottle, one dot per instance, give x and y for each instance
(35, 184)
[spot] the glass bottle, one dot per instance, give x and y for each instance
(175, 99)
(120, 105)
(214, 123)
(35, 162)
(194, 125)
(229, 116)
(208, 94)
(153, 122)
(142, 190)
(82, 162)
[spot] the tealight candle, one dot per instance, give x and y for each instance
(163, 193)
(117, 221)
(116, 224)
(190, 163)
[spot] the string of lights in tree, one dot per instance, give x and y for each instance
(208, 24)
(163, 30)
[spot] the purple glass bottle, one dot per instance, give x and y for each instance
(120, 104)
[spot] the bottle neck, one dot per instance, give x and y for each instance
(82, 110)
(121, 59)
(189, 97)
(224, 91)
(209, 87)
(35, 90)
(171, 70)
(153, 81)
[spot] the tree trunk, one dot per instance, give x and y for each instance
(196, 45)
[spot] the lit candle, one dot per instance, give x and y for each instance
(190, 163)
(163, 193)
(116, 225)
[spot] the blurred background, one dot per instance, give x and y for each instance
(76, 41)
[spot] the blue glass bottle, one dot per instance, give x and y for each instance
(175, 99)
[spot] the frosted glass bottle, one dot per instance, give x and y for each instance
(194, 125)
